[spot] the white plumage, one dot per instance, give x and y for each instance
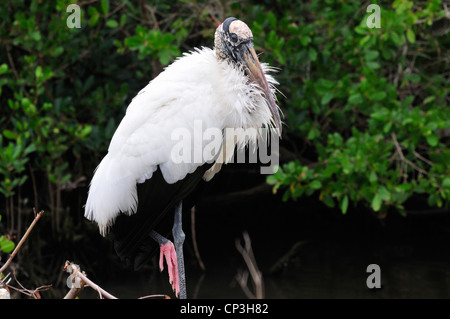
(197, 87)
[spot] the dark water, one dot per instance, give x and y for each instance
(413, 253)
(338, 271)
(331, 261)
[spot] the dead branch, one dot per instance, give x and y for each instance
(24, 237)
(242, 276)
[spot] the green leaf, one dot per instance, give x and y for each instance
(373, 177)
(6, 245)
(35, 35)
(446, 182)
(383, 193)
(164, 57)
(112, 23)
(38, 72)
(411, 36)
(378, 96)
(432, 140)
(3, 68)
(429, 99)
(94, 16)
(305, 40)
(327, 98)
(344, 204)
(373, 65)
(312, 54)
(376, 202)
(315, 184)
(371, 55)
(133, 42)
(404, 187)
(355, 99)
(328, 200)
(123, 19)
(105, 6)
(395, 38)
(387, 127)
(271, 180)
(9, 134)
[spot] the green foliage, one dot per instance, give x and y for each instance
(371, 105)
(366, 109)
(153, 43)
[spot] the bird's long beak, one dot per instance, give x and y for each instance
(255, 73)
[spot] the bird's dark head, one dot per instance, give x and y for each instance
(234, 43)
(231, 37)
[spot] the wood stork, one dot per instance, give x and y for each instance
(138, 183)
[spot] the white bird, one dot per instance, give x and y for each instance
(139, 181)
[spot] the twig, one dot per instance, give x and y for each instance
(19, 245)
(155, 296)
(256, 275)
(402, 157)
(32, 293)
(194, 240)
(11, 61)
(423, 159)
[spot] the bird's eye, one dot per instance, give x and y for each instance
(233, 37)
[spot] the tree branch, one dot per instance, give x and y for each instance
(403, 158)
(255, 273)
(19, 245)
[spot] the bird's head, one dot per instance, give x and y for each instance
(234, 42)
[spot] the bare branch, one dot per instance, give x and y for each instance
(249, 258)
(403, 158)
(19, 245)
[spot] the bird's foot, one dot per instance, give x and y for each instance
(168, 252)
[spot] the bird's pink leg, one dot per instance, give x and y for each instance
(167, 251)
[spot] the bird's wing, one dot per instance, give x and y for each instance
(160, 123)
